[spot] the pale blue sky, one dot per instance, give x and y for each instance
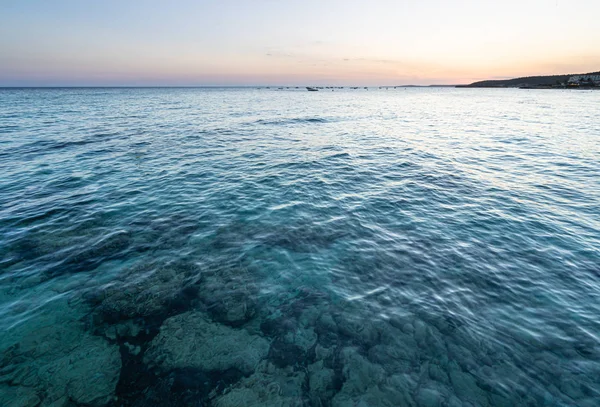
(186, 42)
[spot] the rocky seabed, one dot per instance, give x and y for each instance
(173, 339)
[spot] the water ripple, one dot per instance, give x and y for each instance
(415, 247)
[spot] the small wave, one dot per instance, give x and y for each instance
(8, 128)
(105, 135)
(338, 155)
(67, 144)
(46, 146)
(295, 120)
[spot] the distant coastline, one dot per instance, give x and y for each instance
(571, 81)
(567, 81)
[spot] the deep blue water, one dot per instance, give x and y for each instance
(248, 247)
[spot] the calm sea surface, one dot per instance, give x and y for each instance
(263, 247)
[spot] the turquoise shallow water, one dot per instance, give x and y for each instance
(247, 247)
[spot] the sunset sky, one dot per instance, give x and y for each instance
(254, 42)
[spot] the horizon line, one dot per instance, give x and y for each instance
(222, 86)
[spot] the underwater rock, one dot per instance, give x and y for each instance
(327, 330)
(126, 329)
(465, 386)
(190, 340)
(58, 361)
(176, 388)
(360, 330)
(438, 374)
(323, 353)
(428, 338)
(278, 325)
(321, 383)
(91, 255)
(145, 290)
(454, 401)
(464, 357)
(497, 400)
(420, 331)
(283, 353)
(398, 352)
(571, 388)
(392, 392)
(292, 348)
(309, 316)
(268, 386)
(394, 359)
(399, 388)
(366, 384)
(19, 396)
(133, 349)
(427, 397)
(304, 338)
(229, 297)
(88, 375)
(358, 372)
(325, 323)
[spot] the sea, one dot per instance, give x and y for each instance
(278, 247)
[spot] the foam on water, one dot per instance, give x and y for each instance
(228, 247)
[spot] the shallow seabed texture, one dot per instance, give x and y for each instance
(255, 247)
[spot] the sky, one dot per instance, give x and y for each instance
(309, 42)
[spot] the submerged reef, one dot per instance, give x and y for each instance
(145, 290)
(190, 340)
(53, 361)
(267, 386)
(177, 333)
